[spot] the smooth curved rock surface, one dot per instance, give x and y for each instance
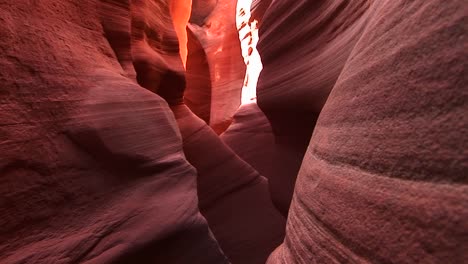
(220, 41)
(91, 163)
(384, 177)
(304, 46)
(197, 94)
(251, 137)
(274, 154)
(201, 10)
(155, 50)
(233, 196)
(109, 148)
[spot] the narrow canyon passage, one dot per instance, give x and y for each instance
(243, 132)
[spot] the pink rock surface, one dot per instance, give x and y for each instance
(233, 196)
(92, 167)
(220, 41)
(304, 46)
(198, 92)
(251, 137)
(112, 152)
(277, 155)
(384, 176)
(201, 10)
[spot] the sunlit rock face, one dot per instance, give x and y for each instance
(180, 13)
(218, 36)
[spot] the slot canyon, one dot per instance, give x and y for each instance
(224, 131)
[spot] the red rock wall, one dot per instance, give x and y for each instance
(197, 95)
(304, 47)
(218, 36)
(92, 168)
(233, 196)
(383, 179)
(258, 9)
(101, 153)
(201, 10)
(363, 101)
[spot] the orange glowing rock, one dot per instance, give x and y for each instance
(180, 12)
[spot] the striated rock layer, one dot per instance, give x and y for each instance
(217, 36)
(109, 148)
(92, 166)
(233, 196)
(384, 178)
(302, 60)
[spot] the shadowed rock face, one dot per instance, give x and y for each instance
(201, 10)
(92, 166)
(197, 95)
(109, 148)
(384, 177)
(323, 33)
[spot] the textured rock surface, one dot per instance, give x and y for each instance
(103, 175)
(233, 196)
(364, 101)
(251, 137)
(201, 10)
(275, 154)
(258, 9)
(220, 41)
(384, 177)
(92, 168)
(297, 79)
(197, 95)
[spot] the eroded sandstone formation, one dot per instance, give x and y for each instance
(213, 26)
(384, 177)
(111, 151)
(92, 166)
